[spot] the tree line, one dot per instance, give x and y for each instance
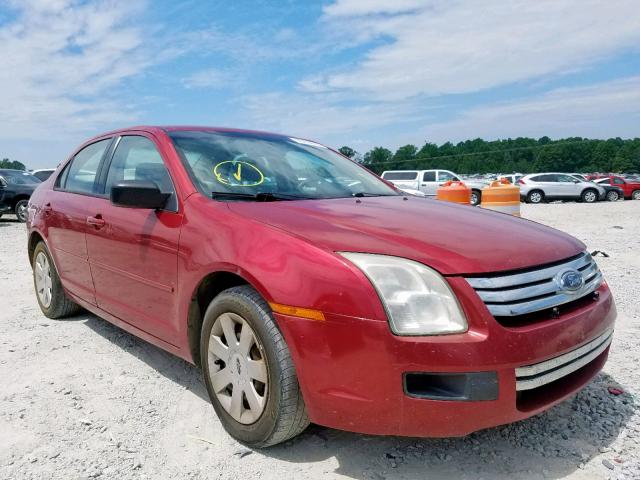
(523, 155)
(14, 164)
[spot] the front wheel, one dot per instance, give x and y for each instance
(613, 196)
(589, 196)
(476, 197)
(53, 302)
(21, 210)
(636, 195)
(248, 370)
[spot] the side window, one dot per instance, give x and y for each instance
(446, 176)
(618, 181)
(400, 175)
(429, 177)
(81, 173)
(566, 178)
(137, 158)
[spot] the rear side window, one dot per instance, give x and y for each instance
(618, 181)
(80, 176)
(429, 177)
(137, 158)
(400, 175)
(544, 178)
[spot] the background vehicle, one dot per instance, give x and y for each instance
(630, 188)
(512, 177)
(428, 181)
(540, 187)
(16, 186)
(43, 173)
(612, 193)
(580, 176)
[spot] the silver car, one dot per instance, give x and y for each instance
(541, 187)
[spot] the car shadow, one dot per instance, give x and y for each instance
(550, 445)
(7, 221)
(174, 368)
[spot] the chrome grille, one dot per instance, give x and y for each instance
(520, 293)
(534, 376)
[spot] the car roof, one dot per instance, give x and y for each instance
(192, 128)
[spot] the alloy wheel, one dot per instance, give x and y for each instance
(238, 368)
(42, 271)
(536, 197)
(613, 196)
(590, 197)
(21, 211)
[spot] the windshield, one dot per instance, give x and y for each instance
(18, 178)
(248, 164)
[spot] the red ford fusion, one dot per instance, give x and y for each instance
(310, 290)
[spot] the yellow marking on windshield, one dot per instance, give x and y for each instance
(229, 170)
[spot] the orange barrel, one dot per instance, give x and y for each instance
(502, 196)
(454, 191)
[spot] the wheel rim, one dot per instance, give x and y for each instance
(237, 368)
(536, 197)
(42, 273)
(613, 196)
(21, 211)
(474, 199)
(636, 195)
(590, 196)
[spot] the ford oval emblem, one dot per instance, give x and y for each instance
(570, 281)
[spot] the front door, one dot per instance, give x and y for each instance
(428, 183)
(133, 252)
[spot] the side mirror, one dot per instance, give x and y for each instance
(138, 194)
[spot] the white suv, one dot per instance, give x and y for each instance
(541, 187)
(428, 181)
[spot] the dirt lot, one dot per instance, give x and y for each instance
(82, 399)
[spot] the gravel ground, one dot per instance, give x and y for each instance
(83, 399)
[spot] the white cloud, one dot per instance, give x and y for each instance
(60, 61)
(603, 110)
(437, 47)
(209, 78)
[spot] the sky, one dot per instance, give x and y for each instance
(361, 73)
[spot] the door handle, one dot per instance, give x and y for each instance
(97, 222)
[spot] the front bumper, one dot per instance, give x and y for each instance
(352, 371)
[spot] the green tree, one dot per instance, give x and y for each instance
(378, 159)
(347, 151)
(6, 163)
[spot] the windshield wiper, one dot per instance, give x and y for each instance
(366, 194)
(258, 197)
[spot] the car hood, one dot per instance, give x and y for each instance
(453, 239)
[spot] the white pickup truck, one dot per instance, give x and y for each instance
(428, 181)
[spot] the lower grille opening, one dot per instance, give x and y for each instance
(529, 400)
(475, 386)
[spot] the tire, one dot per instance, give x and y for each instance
(56, 304)
(476, 197)
(635, 195)
(589, 196)
(535, 196)
(20, 210)
(280, 413)
(613, 196)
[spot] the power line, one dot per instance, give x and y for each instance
(515, 149)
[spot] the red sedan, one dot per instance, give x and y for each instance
(630, 188)
(309, 290)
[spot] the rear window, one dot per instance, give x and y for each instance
(400, 175)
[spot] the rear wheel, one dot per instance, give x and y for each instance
(589, 196)
(53, 302)
(636, 195)
(248, 370)
(535, 196)
(613, 196)
(21, 210)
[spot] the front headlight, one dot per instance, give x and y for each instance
(417, 299)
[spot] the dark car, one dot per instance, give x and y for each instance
(16, 186)
(613, 193)
(43, 173)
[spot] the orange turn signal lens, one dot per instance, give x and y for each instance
(297, 311)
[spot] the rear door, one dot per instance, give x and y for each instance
(133, 252)
(66, 208)
(428, 182)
